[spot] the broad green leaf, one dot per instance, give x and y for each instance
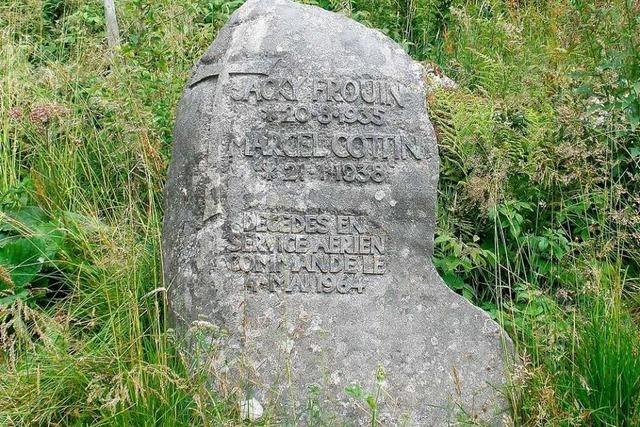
(30, 217)
(22, 295)
(454, 281)
(543, 243)
(371, 401)
(23, 259)
(31, 223)
(354, 391)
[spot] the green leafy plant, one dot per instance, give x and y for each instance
(371, 399)
(29, 244)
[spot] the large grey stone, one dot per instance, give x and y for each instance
(300, 211)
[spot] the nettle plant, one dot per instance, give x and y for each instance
(29, 245)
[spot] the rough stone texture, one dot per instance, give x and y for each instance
(435, 78)
(299, 221)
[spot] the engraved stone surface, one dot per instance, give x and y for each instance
(300, 212)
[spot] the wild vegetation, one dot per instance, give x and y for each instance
(538, 221)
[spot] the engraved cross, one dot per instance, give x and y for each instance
(259, 67)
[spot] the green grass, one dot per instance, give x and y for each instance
(538, 218)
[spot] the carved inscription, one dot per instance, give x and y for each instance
(334, 130)
(290, 252)
(367, 146)
(324, 114)
(370, 91)
(292, 141)
(340, 157)
(348, 172)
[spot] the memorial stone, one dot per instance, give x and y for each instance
(299, 222)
